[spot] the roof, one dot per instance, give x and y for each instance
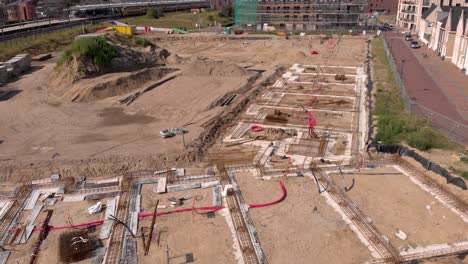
(429, 11)
(456, 15)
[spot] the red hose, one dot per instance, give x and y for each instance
(206, 208)
(283, 189)
(312, 102)
(256, 128)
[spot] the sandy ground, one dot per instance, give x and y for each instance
(279, 51)
(42, 130)
(39, 125)
(397, 203)
(293, 231)
(209, 239)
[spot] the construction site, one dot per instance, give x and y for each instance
(207, 148)
(303, 15)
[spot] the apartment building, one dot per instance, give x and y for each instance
(410, 12)
(307, 15)
(444, 29)
(387, 7)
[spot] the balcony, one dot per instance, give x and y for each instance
(408, 19)
(407, 10)
(409, 2)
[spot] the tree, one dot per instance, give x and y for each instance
(211, 18)
(154, 13)
(150, 13)
(227, 12)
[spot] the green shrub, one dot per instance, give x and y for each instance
(154, 13)
(97, 49)
(143, 42)
(422, 140)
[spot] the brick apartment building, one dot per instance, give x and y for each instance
(387, 7)
(21, 10)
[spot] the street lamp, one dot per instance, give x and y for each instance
(401, 70)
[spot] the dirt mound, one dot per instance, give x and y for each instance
(215, 68)
(176, 59)
(82, 80)
(110, 85)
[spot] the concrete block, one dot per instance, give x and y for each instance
(210, 184)
(217, 198)
(162, 182)
(183, 187)
(19, 64)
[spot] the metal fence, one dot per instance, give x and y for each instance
(448, 127)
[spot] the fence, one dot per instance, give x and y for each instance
(448, 127)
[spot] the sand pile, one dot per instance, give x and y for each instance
(216, 69)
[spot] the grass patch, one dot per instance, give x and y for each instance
(464, 159)
(462, 173)
(96, 49)
(179, 20)
(44, 43)
(395, 125)
(143, 42)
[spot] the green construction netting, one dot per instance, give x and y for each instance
(245, 12)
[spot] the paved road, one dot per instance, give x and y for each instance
(431, 89)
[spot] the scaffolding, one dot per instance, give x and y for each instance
(246, 12)
(301, 14)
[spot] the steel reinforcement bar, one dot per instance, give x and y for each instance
(448, 197)
(387, 251)
(114, 248)
(240, 226)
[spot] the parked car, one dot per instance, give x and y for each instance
(385, 28)
(415, 45)
(408, 38)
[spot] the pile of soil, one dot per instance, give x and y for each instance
(176, 59)
(82, 80)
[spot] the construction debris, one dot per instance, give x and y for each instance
(167, 133)
(95, 209)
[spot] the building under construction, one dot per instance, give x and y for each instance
(307, 15)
